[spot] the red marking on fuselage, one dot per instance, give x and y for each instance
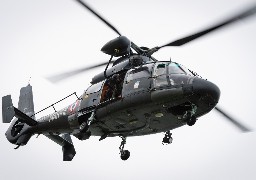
(73, 107)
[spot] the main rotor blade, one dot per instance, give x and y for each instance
(100, 17)
(243, 15)
(62, 76)
(233, 121)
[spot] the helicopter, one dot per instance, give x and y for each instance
(138, 95)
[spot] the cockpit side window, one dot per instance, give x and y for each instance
(138, 73)
(138, 80)
(160, 69)
(160, 78)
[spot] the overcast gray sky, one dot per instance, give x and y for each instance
(43, 37)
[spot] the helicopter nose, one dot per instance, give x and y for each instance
(206, 92)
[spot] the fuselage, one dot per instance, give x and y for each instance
(154, 97)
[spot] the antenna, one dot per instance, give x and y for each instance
(29, 80)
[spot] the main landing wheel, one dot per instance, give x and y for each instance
(125, 155)
(167, 138)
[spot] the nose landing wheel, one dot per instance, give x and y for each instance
(125, 154)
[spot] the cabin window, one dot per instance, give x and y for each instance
(91, 96)
(94, 88)
(112, 88)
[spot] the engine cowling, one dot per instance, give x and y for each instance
(117, 47)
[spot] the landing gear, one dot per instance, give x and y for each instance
(125, 154)
(167, 138)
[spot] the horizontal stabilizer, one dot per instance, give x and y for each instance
(7, 109)
(24, 118)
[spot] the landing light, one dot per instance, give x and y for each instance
(158, 115)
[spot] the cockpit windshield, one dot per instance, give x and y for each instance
(174, 68)
(170, 73)
(170, 68)
(187, 71)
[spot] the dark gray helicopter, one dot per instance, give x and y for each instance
(138, 95)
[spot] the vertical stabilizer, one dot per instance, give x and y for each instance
(26, 104)
(19, 130)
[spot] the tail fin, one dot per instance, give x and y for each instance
(18, 132)
(26, 104)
